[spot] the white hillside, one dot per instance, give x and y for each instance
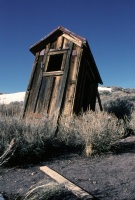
(8, 98)
(19, 96)
(102, 88)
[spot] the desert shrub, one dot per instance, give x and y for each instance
(105, 93)
(33, 138)
(132, 121)
(101, 130)
(120, 107)
(69, 132)
(50, 191)
(95, 131)
(12, 109)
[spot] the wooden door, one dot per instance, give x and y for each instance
(50, 84)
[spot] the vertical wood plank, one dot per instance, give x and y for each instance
(63, 84)
(52, 107)
(72, 82)
(48, 92)
(59, 43)
(33, 71)
(80, 85)
(65, 43)
(40, 101)
(93, 96)
(99, 101)
(39, 81)
(34, 83)
(46, 58)
(76, 73)
(36, 91)
(30, 85)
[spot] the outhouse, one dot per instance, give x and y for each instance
(64, 78)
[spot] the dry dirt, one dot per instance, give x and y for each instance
(110, 176)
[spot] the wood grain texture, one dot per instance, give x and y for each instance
(73, 39)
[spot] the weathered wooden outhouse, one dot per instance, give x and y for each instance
(64, 77)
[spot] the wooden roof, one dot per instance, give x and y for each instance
(80, 41)
(54, 34)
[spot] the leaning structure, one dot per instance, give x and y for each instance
(64, 78)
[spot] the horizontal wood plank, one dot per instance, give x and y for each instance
(74, 40)
(59, 50)
(55, 52)
(53, 73)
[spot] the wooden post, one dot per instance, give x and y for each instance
(99, 101)
(30, 85)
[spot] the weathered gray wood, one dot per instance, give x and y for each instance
(72, 82)
(36, 91)
(45, 57)
(70, 88)
(54, 51)
(73, 39)
(63, 84)
(59, 43)
(80, 88)
(45, 94)
(25, 103)
(38, 84)
(34, 84)
(50, 81)
(76, 68)
(33, 72)
(57, 52)
(53, 73)
(63, 61)
(30, 85)
(40, 101)
(54, 96)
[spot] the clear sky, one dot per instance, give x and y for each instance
(108, 25)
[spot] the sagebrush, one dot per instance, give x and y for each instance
(49, 191)
(90, 132)
(96, 131)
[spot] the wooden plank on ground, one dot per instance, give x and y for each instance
(69, 185)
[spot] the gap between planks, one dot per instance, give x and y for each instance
(69, 185)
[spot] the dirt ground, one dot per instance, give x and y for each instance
(110, 176)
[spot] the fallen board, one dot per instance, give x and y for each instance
(69, 185)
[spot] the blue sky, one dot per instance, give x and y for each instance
(108, 25)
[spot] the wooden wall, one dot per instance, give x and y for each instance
(43, 96)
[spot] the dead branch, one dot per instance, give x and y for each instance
(8, 153)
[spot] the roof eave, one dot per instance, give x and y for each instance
(55, 33)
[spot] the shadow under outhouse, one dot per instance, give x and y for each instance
(64, 77)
